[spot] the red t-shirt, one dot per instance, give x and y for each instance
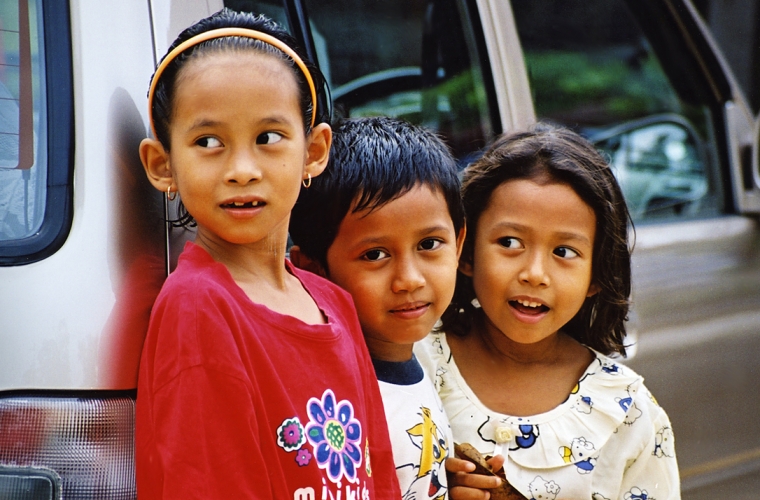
(237, 401)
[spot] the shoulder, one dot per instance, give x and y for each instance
(195, 318)
(321, 289)
(329, 297)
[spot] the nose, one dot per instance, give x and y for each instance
(408, 276)
(534, 271)
(242, 168)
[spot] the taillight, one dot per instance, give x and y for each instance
(67, 447)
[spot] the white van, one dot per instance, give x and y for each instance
(84, 247)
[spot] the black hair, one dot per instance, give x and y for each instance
(163, 98)
(554, 154)
(372, 161)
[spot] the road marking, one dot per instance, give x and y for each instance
(721, 464)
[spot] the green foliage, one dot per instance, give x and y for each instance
(597, 88)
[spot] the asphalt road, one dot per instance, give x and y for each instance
(709, 383)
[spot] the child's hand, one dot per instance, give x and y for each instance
(466, 486)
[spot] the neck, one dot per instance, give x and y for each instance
(500, 347)
(247, 263)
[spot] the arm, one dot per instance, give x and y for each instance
(654, 472)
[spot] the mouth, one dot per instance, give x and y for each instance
(243, 204)
(410, 306)
(528, 307)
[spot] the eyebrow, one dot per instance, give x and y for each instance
(422, 233)
(206, 122)
(566, 235)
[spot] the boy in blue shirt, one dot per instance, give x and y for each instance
(386, 223)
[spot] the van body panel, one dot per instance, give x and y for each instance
(59, 325)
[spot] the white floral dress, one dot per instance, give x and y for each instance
(609, 439)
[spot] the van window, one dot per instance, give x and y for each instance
(592, 68)
(34, 193)
(418, 60)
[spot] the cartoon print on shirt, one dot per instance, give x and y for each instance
(664, 444)
(367, 467)
(433, 452)
(598, 496)
(626, 403)
(580, 453)
(637, 494)
(611, 368)
(440, 381)
(527, 438)
(540, 489)
(583, 404)
(335, 436)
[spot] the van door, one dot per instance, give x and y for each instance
(643, 80)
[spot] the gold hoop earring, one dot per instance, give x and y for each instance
(169, 194)
(307, 182)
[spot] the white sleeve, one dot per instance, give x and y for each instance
(653, 475)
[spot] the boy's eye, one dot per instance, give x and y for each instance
(510, 242)
(268, 138)
(430, 244)
(565, 252)
(209, 142)
(374, 255)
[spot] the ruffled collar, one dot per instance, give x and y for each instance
(571, 433)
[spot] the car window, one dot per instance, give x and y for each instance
(36, 129)
(22, 135)
(413, 59)
(592, 68)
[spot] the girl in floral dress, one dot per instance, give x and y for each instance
(521, 360)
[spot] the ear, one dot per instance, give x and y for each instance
(302, 261)
(155, 161)
(460, 240)
(593, 289)
(465, 266)
(318, 149)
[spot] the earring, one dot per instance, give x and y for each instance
(169, 194)
(307, 182)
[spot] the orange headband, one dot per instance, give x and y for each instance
(219, 33)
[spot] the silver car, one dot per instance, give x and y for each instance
(84, 245)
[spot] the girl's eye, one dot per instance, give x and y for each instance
(209, 142)
(565, 252)
(430, 244)
(375, 255)
(510, 242)
(268, 138)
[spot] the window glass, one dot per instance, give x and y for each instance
(591, 68)
(413, 59)
(23, 145)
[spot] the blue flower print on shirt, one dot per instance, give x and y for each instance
(637, 494)
(528, 436)
(612, 369)
(335, 436)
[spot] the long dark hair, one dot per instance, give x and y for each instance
(564, 157)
